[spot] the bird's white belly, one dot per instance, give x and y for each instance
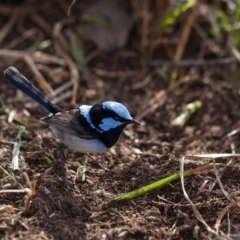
(79, 144)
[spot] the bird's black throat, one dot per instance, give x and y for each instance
(110, 137)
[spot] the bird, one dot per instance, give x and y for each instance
(87, 129)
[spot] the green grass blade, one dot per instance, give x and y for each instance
(100, 21)
(16, 149)
(77, 49)
(48, 160)
(160, 183)
(39, 45)
(10, 176)
(182, 119)
(84, 169)
(168, 21)
(148, 188)
(16, 120)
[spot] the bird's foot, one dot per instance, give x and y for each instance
(98, 164)
(67, 185)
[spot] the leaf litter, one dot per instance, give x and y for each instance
(128, 76)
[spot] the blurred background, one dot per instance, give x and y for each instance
(156, 57)
(144, 45)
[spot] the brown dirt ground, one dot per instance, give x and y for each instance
(58, 213)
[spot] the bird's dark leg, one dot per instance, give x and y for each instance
(97, 163)
(63, 149)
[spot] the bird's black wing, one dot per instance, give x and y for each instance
(73, 123)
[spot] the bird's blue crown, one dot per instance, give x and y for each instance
(105, 116)
(118, 108)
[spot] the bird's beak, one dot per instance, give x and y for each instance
(133, 121)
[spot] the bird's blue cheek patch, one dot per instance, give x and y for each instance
(109, 123)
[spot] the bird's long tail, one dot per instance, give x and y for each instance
(22, 83)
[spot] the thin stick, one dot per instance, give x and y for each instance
(220, 183)
(72, 66)
(145, 22)
(61, 89)
(69, 9)
(62, 97)
(7, 28)
(38, 56)
(21, 10)
(185, 34)
(196, 212)
(41, 80)
(192, 62)
(42, 23)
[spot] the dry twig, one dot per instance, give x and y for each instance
(38, 56)
(193, 62)
(145, 22)
(72, 66)
(7, 28)
(39, 77)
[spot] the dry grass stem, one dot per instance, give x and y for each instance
(36, 56)
(226, 194)
(196, 212)
(40, 79)
(145, 21)
(72, 66)
(223, 212)
(7, 28)
(185, 34)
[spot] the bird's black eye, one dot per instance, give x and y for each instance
(116, 118)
